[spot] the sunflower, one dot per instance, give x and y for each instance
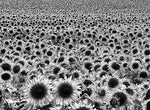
(6, 77)
(77, 74)
(120, 99)
(37, 92)
(111, 81)
(66, 90)
(100, 93)
(114, 66)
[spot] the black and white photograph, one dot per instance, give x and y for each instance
(74, 54)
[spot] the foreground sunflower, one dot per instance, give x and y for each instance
(37, 92)
(66, 91)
